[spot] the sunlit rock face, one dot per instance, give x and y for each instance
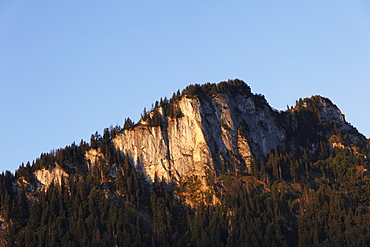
(212, 132)
(50, 175)
(93, 157)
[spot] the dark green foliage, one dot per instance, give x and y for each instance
(307, 201)
(128, 124)
(230, 87)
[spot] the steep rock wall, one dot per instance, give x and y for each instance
(211, 134)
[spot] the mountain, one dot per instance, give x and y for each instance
(213, 165)
(212, 127)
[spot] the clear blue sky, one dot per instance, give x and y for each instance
(70, 68)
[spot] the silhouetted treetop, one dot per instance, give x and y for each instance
(230, 87)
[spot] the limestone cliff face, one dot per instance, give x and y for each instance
(210, 133)
(50, 175)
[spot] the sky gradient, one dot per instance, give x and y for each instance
(70, 68)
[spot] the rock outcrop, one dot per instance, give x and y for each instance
(45, 177)
(330, 115)
(213, 130)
